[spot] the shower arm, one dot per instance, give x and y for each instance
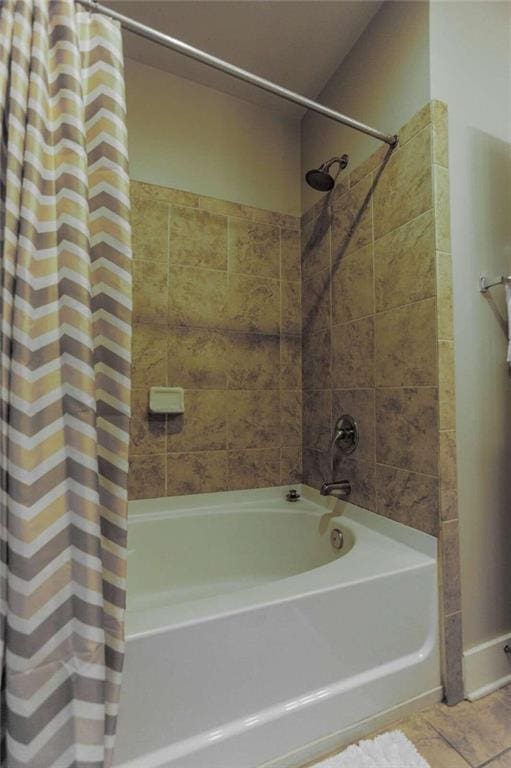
(342, 160)
(231, 69)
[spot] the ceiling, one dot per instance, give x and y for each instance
(296, 43)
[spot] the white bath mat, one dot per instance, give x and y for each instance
(390, 750)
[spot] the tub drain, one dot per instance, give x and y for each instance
(336, 538)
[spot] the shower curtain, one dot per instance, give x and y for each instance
(65, 306)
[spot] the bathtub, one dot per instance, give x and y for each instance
(252, 640)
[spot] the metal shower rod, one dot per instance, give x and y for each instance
(231, 69)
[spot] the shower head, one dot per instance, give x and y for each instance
(320, 178)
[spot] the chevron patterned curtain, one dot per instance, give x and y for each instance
(65, 305)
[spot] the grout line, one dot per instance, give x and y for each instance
(331, 320)
(445, 523)
(373, 389)
(452, 613)
(406, 304)
(409, 471)
(495, 757)
(382, 387)
(425, 213)
(446, 740)
(378, 388)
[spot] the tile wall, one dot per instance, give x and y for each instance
(378, 344)
(216, 311)
(225, 307)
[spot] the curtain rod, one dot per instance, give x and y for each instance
(231, 69)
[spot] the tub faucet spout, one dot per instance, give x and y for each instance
(340, 489)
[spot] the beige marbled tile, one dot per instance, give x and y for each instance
(291, 470)
(371, 164)
(342, 185)
(353, 354)
(317, 419)
(406, 428)
(146, 477)
(253, 419)
(307, 216)
(149, 229)
(149, 356)
(360, 404)
(316, 360)
(447, 402)
(289, 221)
(290, 417)
(197, 297)
(442, 208)
(203, 425)
(417, 123)
(316, 302)
(290, 307)
(152, 192)
(197, 238)
(254, 248)
(404, 189)
(290, 362)
(361, 477)
(433, 747)
(440, 133)
(448, 475)
(479, 730)
(444, 294)
(404, 263)
(276, 218)
(322, 208)
(405, 346)
(253, 361)
(352, 219)
(197, 358)
(225, 207)
(315, 243)
(147, 430)
(352, 286)
(317, 467)
(502, 761)
(253, 304)
(204, 472)
(453, 659)
(150, 293)
(253, 468)
(408, 498)
(449, 546)
(290, 254)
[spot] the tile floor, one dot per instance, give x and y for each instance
(469, 735)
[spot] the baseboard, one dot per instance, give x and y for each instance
(486, 667)
(323, 748)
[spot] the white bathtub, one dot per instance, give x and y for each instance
(252, 641)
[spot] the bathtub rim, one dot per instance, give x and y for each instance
(166, 506)
(415, 549)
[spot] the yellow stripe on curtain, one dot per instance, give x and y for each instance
(65, 325)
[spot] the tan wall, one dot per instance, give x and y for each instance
(471, 69)
(187, 136)
(378, 344)
(216, 311)
(383, 81)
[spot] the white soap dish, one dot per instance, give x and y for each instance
(166, 400)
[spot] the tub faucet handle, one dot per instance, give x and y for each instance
(346, 434)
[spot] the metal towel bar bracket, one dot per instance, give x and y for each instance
(485, 283)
